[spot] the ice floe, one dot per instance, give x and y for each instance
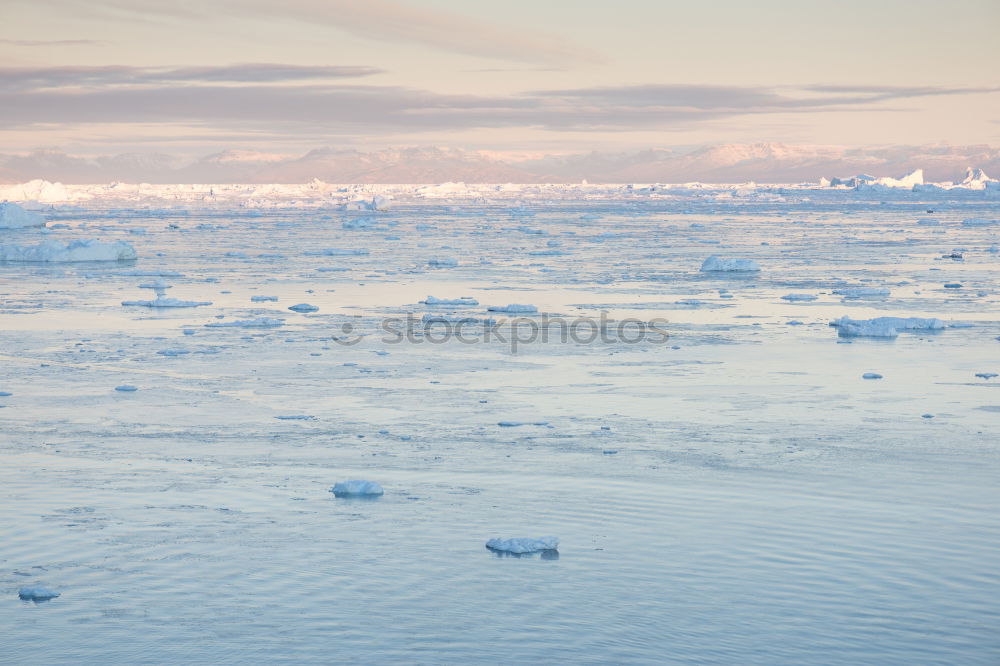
(159, 288)
(862, 292)
(716, 264)
(37, 593)
(303, 307)
(53, 251)
(513, 308)
(446, 262)
(464, 300)
(357, 488)
(884, 327)
(523, 545)
(259, 322)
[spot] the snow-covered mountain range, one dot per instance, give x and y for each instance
(727, 163)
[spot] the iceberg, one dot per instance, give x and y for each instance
(729, 265)
(883, 327)
(356, 488)
(13, 216)
(520, 546)
(53, 251)
(37, 594)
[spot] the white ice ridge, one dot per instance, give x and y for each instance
(464, 300)
(52, 251)
(523, 544)
(730, 265)
(513, 308)
(883, 327)
(13, 216)
(356, 488)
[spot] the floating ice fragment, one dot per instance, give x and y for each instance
(262, 299)
(356, 488)
(126, 388)
(303, 307)
(295, 417)
(986, 375)
(464, 300)
(798, 297)
(173, 352)
(728, 265)
(13, 216)
(260, 322)
(513, 308)
(883, 327)
(443, 263)
(53, 251)
(5, 394)
(37, 594)
(862, 292)
(952, 285)
(871, 375)
(520, 546)
(978, 222)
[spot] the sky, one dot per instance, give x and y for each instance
(191, 77)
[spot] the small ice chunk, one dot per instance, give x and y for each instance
(798, 297)
(173, 352)
(986, 375)
(871, 375)
(523, 545)
(262, 299)
(443, 263)
(295, 417)
(513, 308)
(952, 285)
(356, 488)
(303, 307)
(37, 593)
(729, 265)
(5, 394)
(126, 388)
